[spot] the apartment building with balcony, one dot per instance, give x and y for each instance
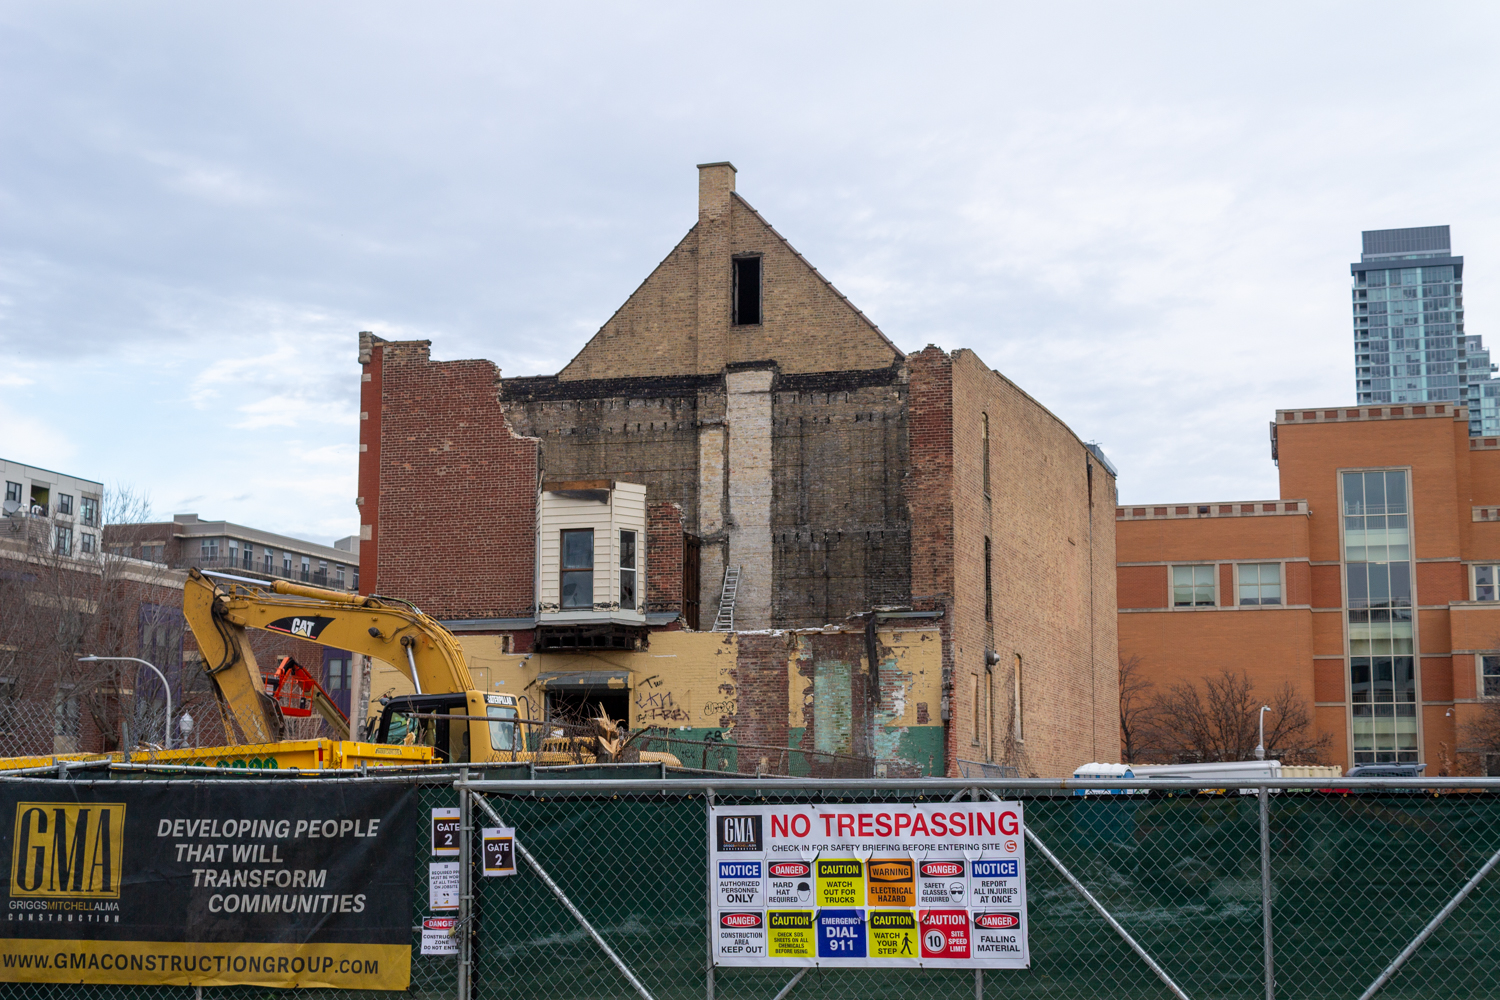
(187, 541)
(63, 513)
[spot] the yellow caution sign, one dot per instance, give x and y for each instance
(789, 934)
(841, 882)
(893, 934)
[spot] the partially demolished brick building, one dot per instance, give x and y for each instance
(743, 513)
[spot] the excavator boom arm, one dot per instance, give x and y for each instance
(390, 630)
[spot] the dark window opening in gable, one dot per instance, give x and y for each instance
(746, 291)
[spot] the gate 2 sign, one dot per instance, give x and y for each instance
(869, 885)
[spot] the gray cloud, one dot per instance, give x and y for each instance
(1141, 215)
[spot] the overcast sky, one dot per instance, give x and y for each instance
(1142, 213)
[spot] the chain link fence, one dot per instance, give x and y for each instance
(1153, 892)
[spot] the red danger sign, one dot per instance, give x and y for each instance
(945, 933)
(790, 869)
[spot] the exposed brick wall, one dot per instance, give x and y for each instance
(841, 529)
(372, 383)
(664, 557)
(640, 430)
(760, 690)
(678, 321)
(1049, 516)
(456, 520)
(929, 498)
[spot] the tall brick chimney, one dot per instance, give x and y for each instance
(715, 185)
(715, 181)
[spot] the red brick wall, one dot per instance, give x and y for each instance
(929, 498)
(371, 382)
(455, 510)
(1143, 587)
(760, 688)
(664, 557)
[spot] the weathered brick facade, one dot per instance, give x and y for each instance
(842, 477)
(664, 557)
(455, 488)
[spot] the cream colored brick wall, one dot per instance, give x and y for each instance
(679, 321)
(749, 408)
(1053, 573)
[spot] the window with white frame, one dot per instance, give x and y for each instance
(578, 568)
(88, 510)
(208, 549)
(627, 571)
(1259, 583)
(1490, 679)
(1192, 586)
(1487, 583)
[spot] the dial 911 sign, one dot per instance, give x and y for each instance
(869, 885)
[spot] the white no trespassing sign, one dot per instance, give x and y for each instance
(869, 885)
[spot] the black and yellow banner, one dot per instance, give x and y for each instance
(288, 884)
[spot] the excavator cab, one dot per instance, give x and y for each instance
(448, 724)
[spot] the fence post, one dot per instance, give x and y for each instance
(978, 973)
(708, 805)
(1265, 890)
(465, 885)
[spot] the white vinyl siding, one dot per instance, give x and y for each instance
(625, 511)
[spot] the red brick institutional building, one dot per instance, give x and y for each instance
(742, 511)
(1372, 583)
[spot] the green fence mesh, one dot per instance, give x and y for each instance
(1355, 877)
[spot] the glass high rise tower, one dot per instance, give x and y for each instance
(1409, 341)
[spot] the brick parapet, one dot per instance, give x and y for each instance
(1249, 508)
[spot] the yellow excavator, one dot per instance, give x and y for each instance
(446, 721)
(447, 717)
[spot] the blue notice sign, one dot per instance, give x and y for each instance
(740, 869)
(841, 933)
(996, 869)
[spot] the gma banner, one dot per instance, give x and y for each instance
(282, 884)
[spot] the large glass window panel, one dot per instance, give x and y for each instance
(1490, 667)
(1486, 583)
(1354, 493)
(1357, 575)
(1192, 586)
(1378, 575)
(1260, 583)
(578, 568)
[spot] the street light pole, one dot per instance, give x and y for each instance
(164, 684)
(1260, 748)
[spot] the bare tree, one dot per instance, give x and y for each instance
(1139, 734)
(1479, 741)
(59, 603)
(1221, 722)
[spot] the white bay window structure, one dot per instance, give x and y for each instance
(591, 565)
